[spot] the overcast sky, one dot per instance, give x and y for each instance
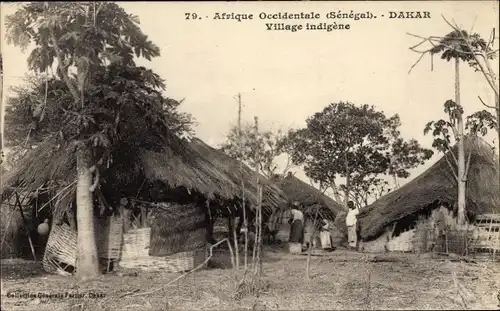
(285, 77)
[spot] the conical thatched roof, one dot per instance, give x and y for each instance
(272, 196)
(309, 197)
(438, 185)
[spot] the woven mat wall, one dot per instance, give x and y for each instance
(62, 242)
(181, 228)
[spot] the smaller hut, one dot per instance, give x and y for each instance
(272, 195)
(414, 217)
(309, 199)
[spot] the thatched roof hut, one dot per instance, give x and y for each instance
(437, 186)
(309, 197)
(189, 168)
(272, 196)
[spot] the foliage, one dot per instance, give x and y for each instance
(357, 143)
(85, 33)
(99, 40)
(363, 190)
(445, 131)
(459, 44)
(40, 106)
(261, 146)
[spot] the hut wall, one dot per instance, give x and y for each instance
(384, 243)
(421, 237)
(175, 242)
(177, 228)
(402, 242)
(12, 235)
(377, 245)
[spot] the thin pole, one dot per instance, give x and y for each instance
(26, 227)
(2, 121)
(240, 152)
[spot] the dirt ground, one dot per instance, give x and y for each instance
(338, 280)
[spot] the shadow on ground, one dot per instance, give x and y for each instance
(12, 269)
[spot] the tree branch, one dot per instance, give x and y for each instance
(451, 167)
(482, 101)
(491, 40)
(451, 151)
(336, 192)
(484, 55)
(66, 79)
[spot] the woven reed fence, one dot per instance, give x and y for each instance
(176, 241)
(61, 250)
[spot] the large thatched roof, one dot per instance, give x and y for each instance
(175, 164)
(438, 185)
(272, 196)
(178, 164)
(309, 197)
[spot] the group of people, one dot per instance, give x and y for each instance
(304, 231)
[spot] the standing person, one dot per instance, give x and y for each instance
(297, 223)
(326, 241)
(351, 222)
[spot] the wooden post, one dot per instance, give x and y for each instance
(144, 217)
(245, 222)
(232, 230)
(70, 214)
(258, 218)
(26, 226)
(126, 213)
(311, 241)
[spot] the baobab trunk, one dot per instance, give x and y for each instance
(347, 182)
(462, 174)
(336, 192)
(87, 263)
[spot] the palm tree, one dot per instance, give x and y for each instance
(454, 46)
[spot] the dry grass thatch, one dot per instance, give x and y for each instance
(438, 185)
(176, 165)
(194, 166)
(308, 197)
(272, 196)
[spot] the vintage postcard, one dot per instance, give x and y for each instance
(254, 155)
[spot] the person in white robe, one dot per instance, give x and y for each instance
(351, 222)
(326, 241)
